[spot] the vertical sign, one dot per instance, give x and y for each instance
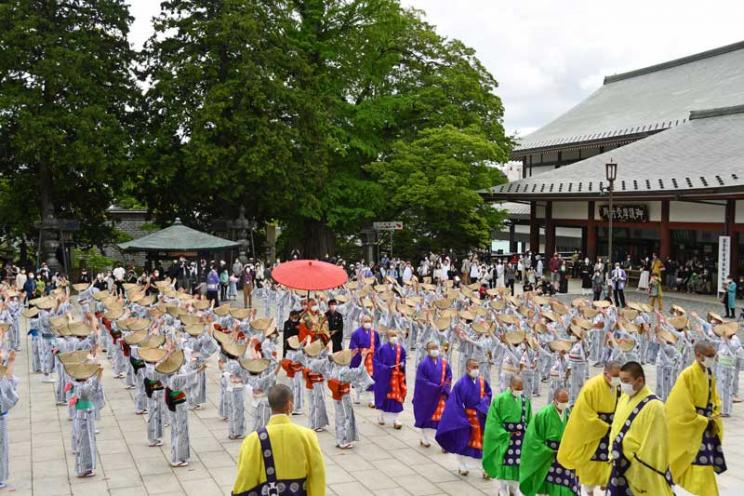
(724, 260)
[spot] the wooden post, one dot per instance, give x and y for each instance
(549, 230)
(534, 229)
(665, 237)
(591, 232)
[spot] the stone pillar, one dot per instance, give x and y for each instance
(271, 235)
(534, 229)
(665, 235)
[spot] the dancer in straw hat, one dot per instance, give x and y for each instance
(667, 361)
(293, 365)
(316, 368)
(340, 379)
(729, 350)
(260, 375)
(87, 381)
(8, 399)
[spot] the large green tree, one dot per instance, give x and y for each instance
(282, 106)
(66, 95)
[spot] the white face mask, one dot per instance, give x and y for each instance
(627, 388)
(473, 373)
(314, 308)
(562, 406)
(433, 353)
(709, 362)
(517, 394)
(367, 325)
(393, 340)
(614, 381)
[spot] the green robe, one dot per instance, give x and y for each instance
(504, 409)
(537, 457)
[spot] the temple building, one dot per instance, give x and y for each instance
(675, 131)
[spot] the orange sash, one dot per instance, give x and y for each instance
(476, 435)
(311, 378)
(338, 389)
(398, 387)
(369, 359)
(437, 416)
(291, 367)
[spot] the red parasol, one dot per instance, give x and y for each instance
(310, 275)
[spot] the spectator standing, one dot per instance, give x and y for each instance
(247, 280)
(618, 279)
(119, 274)
(213, 286)
(509, 277)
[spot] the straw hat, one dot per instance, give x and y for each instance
(481, 327)
(135, 296)
(678, 309)
(583, 323)
(114, 313)
(261, 324)
(589, 312)
(202, 304)
(135, 338)
(448, 283)
(129, 286)
(173, 310)
(404, 309)
(525, 311)
(147, 301)
(507, 319)
(645, 307)
(427, 286)
(172, 364)
(443, 304)
(57, 321)
(466, 315)
(514, 337)
(189, 319)
(442, 323)
(715, 316)
(80, 287)
(152, 341)
(100, 295)
(540, 328)
(314, 348)
(480, 311)
(450, 313)
(628, 327)
(30, 312)
(629, 314)
(497, 304)
(82, 371)
(164, 283)
(240, 313)
(601, 304)
(626, 344)
(233, 349)
(342, 358)
(139, 325)
(634, 305)
(558, 307)
(152, 355)
(79, 329)
(391, 280)
(541, 300)
(469, 293)
(294, 342)
(728, 329)
(46, 303)
(667, 336)
(513, 300)
(579, 303)
(352, 285)
(193, 329)
(254, 366)
(71, 357)
(576, 331)
(271, 329)
(678, 323)
(550, 316)
(560, 345)
(341, 298)
(222, 310)
(367, 303)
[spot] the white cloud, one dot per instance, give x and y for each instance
(550, 54)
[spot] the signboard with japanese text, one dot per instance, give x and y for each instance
(724, 261)
(624, 213)
(388, 226)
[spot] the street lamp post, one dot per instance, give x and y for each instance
(611, 175)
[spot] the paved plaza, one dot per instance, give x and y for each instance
(384, 462)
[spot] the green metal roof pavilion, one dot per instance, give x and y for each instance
(178, 238)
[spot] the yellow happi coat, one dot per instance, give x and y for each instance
(585, 430)
(296, 455)
(646, 440)
(686, 429)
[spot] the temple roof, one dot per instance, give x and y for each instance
(644, 101)
(704, 155)
(177, 238)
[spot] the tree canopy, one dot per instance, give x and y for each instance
(322, 115)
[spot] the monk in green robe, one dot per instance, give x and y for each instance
(507, 421)
(540, 472)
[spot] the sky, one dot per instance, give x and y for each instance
(548, 55)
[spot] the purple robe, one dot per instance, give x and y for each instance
(428, 390)
(360, 340)
(453, 433)
(384, 363)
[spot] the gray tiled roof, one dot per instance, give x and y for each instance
(648, 100)
(703, 155)
(176, 238)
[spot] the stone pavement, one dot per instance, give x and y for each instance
(385, 462)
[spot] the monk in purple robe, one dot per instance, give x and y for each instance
(433, 384)
(390, 380)
(461, 429)
(364, 338)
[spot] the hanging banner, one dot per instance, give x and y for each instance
(724, 261)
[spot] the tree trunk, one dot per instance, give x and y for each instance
(317, 240)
